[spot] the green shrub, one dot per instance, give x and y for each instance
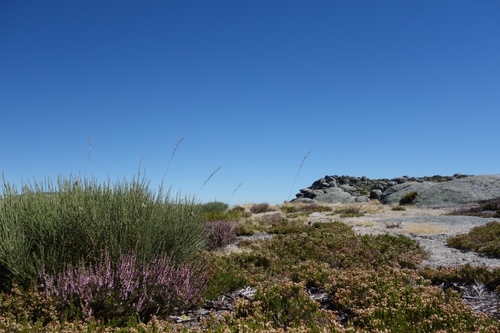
(47, 227)
(225, 277)
(245, 229)
(231, 215)
(214, 206)
(285, 305)
(396, 300)
(217, 211)
(408, 198)
(304, 208)
(482, 239)
(285, 226)
(350, 211)
(398, 208)
(466, 274)
(27, 306)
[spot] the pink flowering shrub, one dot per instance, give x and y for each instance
(108, 290)
(220, 234)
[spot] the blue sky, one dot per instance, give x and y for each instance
(375, 88)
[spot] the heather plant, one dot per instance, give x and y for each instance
(225, 277)
(29, 306)
(337, 245)
(401, 301)
(245, 229)
(260, 208)
(333, 245)
(349, 211)
(487, 208)
(118, 290)
(312, 273)
(220, 234)
(285, 226)
(52, 226)
(282, 305)
(466, 275)
(304, 208)
(269, 219)
(483, 239)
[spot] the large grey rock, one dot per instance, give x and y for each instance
(335, 195)
(361, 198)
(376, 194)
(394, 193)
(460, 191)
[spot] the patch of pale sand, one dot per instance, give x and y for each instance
(425, 228)
(370, 222)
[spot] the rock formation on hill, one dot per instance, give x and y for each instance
(433, 192)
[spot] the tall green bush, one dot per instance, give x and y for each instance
(49, 226)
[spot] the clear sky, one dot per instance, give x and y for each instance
(375, 88)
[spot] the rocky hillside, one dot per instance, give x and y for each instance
(434, 192)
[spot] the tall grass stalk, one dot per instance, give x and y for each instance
(236, 189)
(90, 154)
(171, 157)
(49, 226)
(298, 171)
(206, 181)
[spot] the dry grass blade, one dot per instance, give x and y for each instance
(298, 171)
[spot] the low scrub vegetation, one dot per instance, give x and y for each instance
(482, 239)
(488, 208)
(349, 211)
(216, 211)
(220, 234)
(260, 208)
(304, 208)
(85, 257)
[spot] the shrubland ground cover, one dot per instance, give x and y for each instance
(82, 256)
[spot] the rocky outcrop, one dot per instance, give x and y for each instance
(435, 191)
(394, 194)
(460, 192)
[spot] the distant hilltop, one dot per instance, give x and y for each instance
(432, 192)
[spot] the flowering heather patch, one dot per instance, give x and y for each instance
(109, 290)
(220, 234)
